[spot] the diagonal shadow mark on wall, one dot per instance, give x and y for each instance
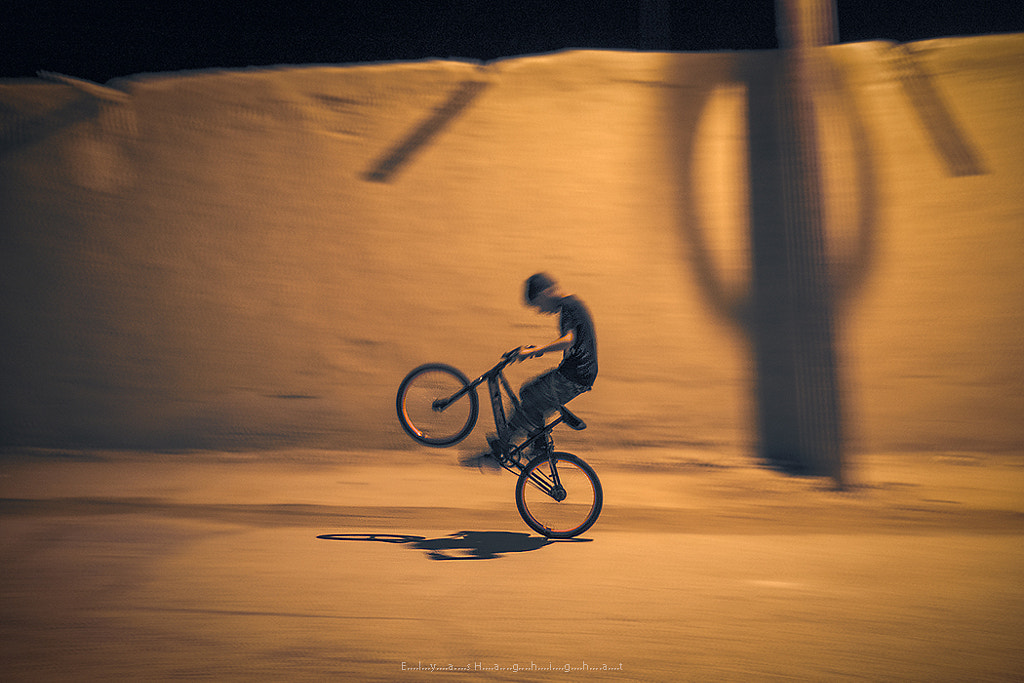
(960, 156)
(391, 162)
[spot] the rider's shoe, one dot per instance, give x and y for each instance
(482, 461)
(490, 459)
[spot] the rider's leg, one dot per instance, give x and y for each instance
(539, 398)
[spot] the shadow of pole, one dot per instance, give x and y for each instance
(789, 313)
(792, 309)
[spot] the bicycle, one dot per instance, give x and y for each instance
(558, 494)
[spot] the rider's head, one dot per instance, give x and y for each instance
(541, 291)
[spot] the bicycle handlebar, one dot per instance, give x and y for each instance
(509, 356)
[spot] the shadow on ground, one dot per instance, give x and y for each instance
(461, 545)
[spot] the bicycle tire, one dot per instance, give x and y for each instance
(565, 518)
(425, 424)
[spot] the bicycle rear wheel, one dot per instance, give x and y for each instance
(424, 410)
(560, 496)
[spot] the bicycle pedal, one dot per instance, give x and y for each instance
(542, 446)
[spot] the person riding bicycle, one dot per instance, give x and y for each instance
(543, 395)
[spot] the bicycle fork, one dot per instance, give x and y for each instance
(549, 484)
(548, 481)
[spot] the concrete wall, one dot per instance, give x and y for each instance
(254, 259)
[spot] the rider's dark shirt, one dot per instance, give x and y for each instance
(579, 361)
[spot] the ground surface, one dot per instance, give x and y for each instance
(378, 566)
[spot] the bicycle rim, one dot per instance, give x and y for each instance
(538, 498)
(417, 397)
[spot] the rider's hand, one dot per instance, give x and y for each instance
(527, 352)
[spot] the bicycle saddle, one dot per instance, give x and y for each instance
(571, 420)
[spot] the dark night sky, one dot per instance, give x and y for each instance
(100, 41)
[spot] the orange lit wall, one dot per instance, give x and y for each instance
(254, 258)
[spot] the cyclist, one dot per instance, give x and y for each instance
(542, 395)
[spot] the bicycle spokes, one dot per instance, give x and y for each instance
(559, 495)
(437, 405)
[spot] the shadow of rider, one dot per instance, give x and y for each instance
(461, 545)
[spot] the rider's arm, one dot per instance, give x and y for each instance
(560, 344)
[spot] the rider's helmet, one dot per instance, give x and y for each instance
(535, 284)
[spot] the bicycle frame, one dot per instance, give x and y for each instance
(546, 478)
(496, 384)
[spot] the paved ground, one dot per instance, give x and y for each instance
(296, 567)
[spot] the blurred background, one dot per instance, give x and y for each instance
(216, 256)
(100, 42)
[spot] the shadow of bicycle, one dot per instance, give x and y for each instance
(461, 545)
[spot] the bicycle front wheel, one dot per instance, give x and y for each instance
(430, 406)
(559, 496)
